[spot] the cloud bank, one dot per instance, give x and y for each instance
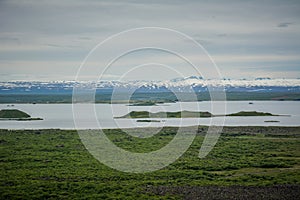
(47, 40)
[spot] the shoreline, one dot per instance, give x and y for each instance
(157, 104)
(172, 127)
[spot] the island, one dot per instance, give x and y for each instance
(144, 103)
(272, 121)
(147, 120)
(190, 114)
(14, 114)
(251, 113)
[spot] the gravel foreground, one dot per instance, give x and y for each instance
(283, 192)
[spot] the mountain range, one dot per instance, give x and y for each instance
(195, 83)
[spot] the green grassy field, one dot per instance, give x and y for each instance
(54, 164)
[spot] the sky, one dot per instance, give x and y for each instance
(49, 40)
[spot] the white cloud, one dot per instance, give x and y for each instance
(37, 37)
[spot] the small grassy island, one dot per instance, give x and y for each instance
(190, 114)
(251, 113)
(147, 120)
(272, 121)
(144, 103)
(179, 114)
(14, 114)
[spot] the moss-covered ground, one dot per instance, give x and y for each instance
(54, 164)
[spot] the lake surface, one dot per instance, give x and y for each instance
(86, 117)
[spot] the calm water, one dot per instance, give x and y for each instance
(61, 115)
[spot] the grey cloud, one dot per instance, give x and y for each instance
(85, 38)
(204, 42)
(9, 40)
(67, 30)
(62, 46)
(222, 35)
(284, 24)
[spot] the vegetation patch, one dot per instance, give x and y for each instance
(272, 121)
(144, 103)
(147, 120)
(179, 114)
(262, 162)
(190, 114)
(14, 114)
(251, 113)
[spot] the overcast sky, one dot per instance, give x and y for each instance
(48, 40)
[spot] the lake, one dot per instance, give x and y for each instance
(61, 115)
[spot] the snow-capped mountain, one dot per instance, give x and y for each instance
(195, 83)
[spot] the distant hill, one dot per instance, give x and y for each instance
(197, 84)
(164, 91)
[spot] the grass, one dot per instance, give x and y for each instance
(14, 114)
(179, 114)
(54, 164)
(251, 113)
